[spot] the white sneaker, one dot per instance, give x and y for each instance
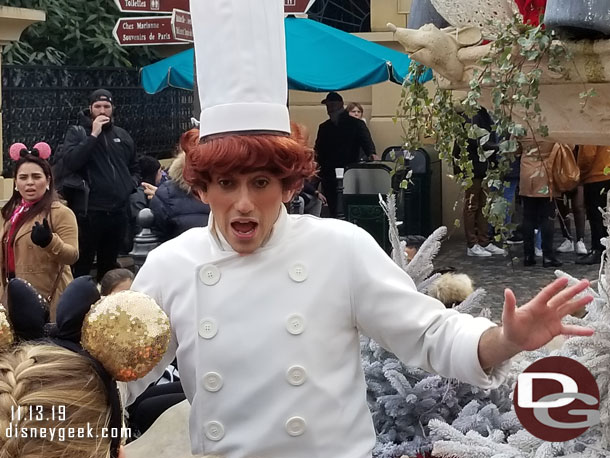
(566, 247)
(477, 250)
(538, 252)
(580, 247)
(491, 248)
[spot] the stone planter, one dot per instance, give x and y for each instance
(579, 18)
(423, 12)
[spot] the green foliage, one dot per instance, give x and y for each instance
(76, 32)
(512, 72)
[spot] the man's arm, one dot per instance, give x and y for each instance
(534, 324)
(365, 140)
(78, 145)
(77, 148)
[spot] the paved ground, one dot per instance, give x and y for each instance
(498, 272)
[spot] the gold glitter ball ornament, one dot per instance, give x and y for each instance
(6, 331)
(128, 333)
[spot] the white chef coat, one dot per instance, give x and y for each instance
(268, 343)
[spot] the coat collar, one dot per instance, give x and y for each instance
(220, 245)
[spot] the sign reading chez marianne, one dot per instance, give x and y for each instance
(151, 6)
(169, 30)
(137, 31)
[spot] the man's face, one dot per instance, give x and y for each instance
(101, 108)
(245, 207)
(333, 107)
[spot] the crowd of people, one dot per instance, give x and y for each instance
(61, 221)
(547, 183)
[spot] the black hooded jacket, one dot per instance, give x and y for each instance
(175, 207)
(107, 162)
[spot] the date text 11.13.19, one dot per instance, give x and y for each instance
(38, 413)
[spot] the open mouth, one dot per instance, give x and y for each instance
(244, 229)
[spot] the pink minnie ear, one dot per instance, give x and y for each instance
(44, 150)
(15, 151)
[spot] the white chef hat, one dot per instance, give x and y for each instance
(240, 53)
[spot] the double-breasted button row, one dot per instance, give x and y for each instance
(215, 430)
(208, 327)
(210, 274)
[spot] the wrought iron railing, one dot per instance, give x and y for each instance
(39, 103)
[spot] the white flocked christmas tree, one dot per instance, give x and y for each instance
(417, 413)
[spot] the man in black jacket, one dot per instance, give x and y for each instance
(341, 140)
(104, 156)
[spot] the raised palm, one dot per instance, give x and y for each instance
(534, 324)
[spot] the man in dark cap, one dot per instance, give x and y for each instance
(341, 140)
(102, 157)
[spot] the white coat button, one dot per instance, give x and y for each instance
(208, 328)
(214, 430)
(212, 381)
(296, 375)
(295, 324)
(209, 275)
(295, 426)
(298, 273)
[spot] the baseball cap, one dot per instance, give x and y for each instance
(333, 97)
(100, 95)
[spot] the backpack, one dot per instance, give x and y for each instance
(71, 186)
(566, 174)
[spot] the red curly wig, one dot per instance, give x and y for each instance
(288, 159)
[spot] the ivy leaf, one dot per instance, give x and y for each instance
(607, 170)
(508, 146)
(404, 184)
(587, 94)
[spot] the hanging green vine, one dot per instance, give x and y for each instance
(512, 70)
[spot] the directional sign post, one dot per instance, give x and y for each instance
(297, 6)
(182, 26)
(137, 31)
(151, 6)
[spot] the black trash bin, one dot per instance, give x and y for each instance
(419, 205)
(362, 184)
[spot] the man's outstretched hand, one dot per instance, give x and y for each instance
(534, 324)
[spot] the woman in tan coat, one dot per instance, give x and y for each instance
(537, 192)
(39, 234)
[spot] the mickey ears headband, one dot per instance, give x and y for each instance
(19, 150)
(127, 332)
(123, 335)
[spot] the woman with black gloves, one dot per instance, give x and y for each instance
(39, 234)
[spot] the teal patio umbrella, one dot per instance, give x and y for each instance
(319, 58)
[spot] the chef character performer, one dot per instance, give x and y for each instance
(265, 307)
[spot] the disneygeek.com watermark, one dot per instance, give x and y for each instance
(20, 416)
